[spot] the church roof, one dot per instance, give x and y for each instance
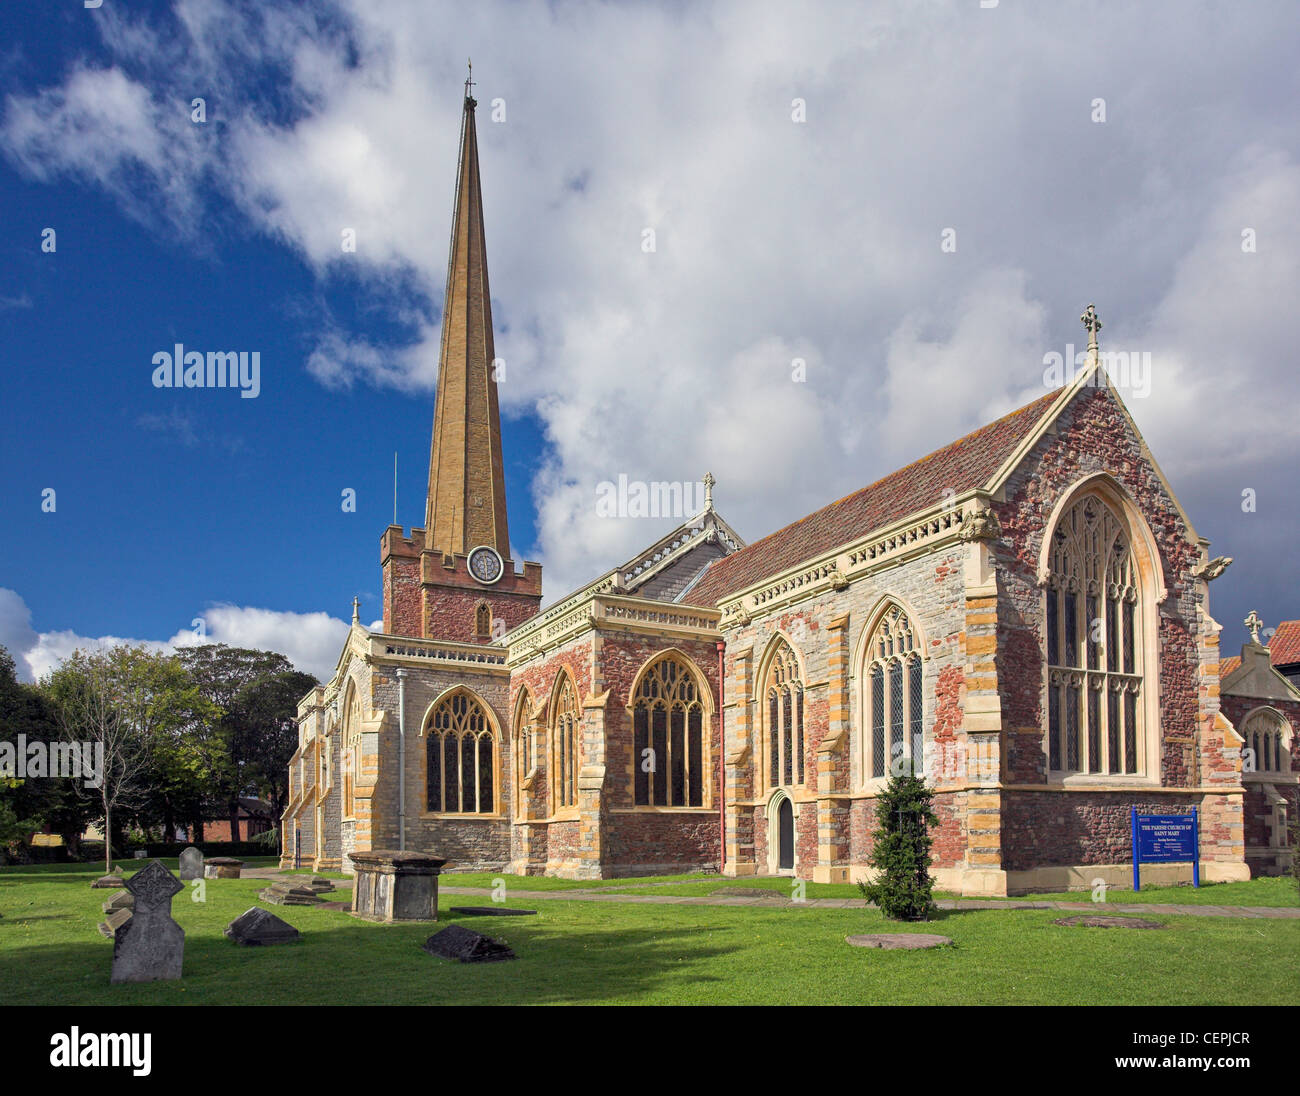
(1284, 646)
(965, 464)
(1227, 665)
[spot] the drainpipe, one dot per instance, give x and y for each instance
(722, 771)
(401, 760)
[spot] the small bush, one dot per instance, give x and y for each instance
(900, 851)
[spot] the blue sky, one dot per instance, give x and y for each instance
(817, 240)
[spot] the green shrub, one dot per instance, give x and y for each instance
(900, 851)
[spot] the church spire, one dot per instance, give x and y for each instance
(467, 501)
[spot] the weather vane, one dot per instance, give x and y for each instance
(469, 80)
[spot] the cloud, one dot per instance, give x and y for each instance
(311, 641)
(774, 239)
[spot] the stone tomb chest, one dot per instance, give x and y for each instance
(396, 886)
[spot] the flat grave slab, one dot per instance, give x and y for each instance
(257, 927)
(467, 946)
(490, 911)
(899, 941)
(1109, 922)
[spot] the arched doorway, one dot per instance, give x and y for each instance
(785, 835)
(780, 834)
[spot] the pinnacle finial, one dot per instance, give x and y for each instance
(356, 610)
(1254, 624)
(1092, 322)
(469, 79)
(709, 481)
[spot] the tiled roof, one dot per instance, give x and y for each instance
(1227, 665)
(967, 463)
(1284, 646)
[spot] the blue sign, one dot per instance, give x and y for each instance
(1166, 839)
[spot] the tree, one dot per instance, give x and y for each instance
(254, 690)
(271, 705)
(900, 850)
(93, 695)
(28, 805)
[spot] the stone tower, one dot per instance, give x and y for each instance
(454, 579)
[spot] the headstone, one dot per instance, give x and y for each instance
(396, 886)
(113, 922)
(257, 927)
(467, 946)
(191, 864)
(149, 946)
(110, 881)
(122, 900)
(288, 894)
(222, 867)
(140, 854)
(490, 911)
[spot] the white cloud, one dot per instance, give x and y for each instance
(311, 641)
(774, 239)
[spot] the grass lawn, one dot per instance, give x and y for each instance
(604, 953)
(1255, 892)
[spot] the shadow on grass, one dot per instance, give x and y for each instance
(340, 960)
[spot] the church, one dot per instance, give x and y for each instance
(1022, 616)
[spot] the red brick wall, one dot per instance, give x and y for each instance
(1093, 436)
(402, 597)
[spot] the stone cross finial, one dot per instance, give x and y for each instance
(1254, 624)
(1090, 320)
(356, 610)
(469, 80)
(709, 481)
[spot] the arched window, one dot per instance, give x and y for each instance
(460, 757)
(668, 737)
(783, 717)
(1094, 650)
(1265, 732)
(893, 699)
(565, 723)
(483, 622)
(350, 762)
(522, 729)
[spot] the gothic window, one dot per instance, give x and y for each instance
(483, 622)
(893, 701)
(1094, 651)
(460, 757)
(351, 760)
(668, 737)
(566, 723)
(1266, 738)
(784, 718)
(524, 732)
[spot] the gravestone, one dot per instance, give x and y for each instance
(140, 854)
(222, 867)
(112, 880)
(289, 894)
(191, 864)
(122, 900)
(396, 886)
(467, 946)
(114, 921)
(260, 928)
(149, 946)
(490, 911)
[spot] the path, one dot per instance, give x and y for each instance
(779, 901)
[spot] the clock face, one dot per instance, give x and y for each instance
(485, 565)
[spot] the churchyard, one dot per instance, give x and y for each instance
(576, 950)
